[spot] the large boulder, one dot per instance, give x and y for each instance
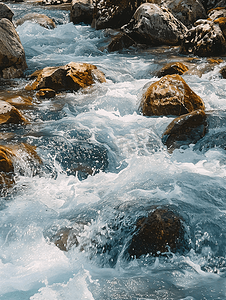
(187, 11)
(72, 76)
(170, 96)
(10, 115)
(40, 19)
(206, 39)
(184, 130)
(81, 11)
(113, 13)
(6, 12)
(155, 26)
(11, 50)
(172, 68)
(161, 231)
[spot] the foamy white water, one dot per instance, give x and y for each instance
(136, 174)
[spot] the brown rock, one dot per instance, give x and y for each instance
(155, 25)
(5, 12)
(72, 76)
(46, 93)
(172, 68)
(206, 39)
(10, 115)
(11, 49)
(185, 130)
(120, 41)
(81, 11)
(12, 72)
(223, 72)
(17, 99)
(6, 163)
(161, 230)
(65, 239)
(40, 19)
(170, 96)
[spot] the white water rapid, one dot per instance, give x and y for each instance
(103, 126)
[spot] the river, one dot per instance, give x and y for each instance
(103, 127)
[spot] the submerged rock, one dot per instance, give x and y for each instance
(11, 51)
(72, 76)
(170, 96)
(160, 231)
(113, 13)
(40, 19)
(206, 39)
(10, 115)
(185, 130)
(65, 239)
(155, 26)
(81, 11)
(172, 68)
(6, 12)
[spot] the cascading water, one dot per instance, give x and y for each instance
(102, 127)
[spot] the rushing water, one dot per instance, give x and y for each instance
(102, 127)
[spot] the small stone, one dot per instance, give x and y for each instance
(172, 68)
(46, 93)
(10, 115)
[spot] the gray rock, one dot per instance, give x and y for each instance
(81, 11)
(5, 12)
(155, 26)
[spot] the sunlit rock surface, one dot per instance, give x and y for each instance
(170, 96)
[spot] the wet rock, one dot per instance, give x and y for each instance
(6, 12)
(11, 50)
(12, 72)
(206, 39)
(65, 239)
(40, 19)
(46, 93)
(16, 99)
(155, 26)
(172, 68)
(185, 130)
(170, 96)
(223, 72)
(72, 76)
(81, 11)
(161, 230)
(120, 41)
(113, 13)
(222, 24)
(58, 3)
(186, 11)
(216, 13)
(10, 115)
